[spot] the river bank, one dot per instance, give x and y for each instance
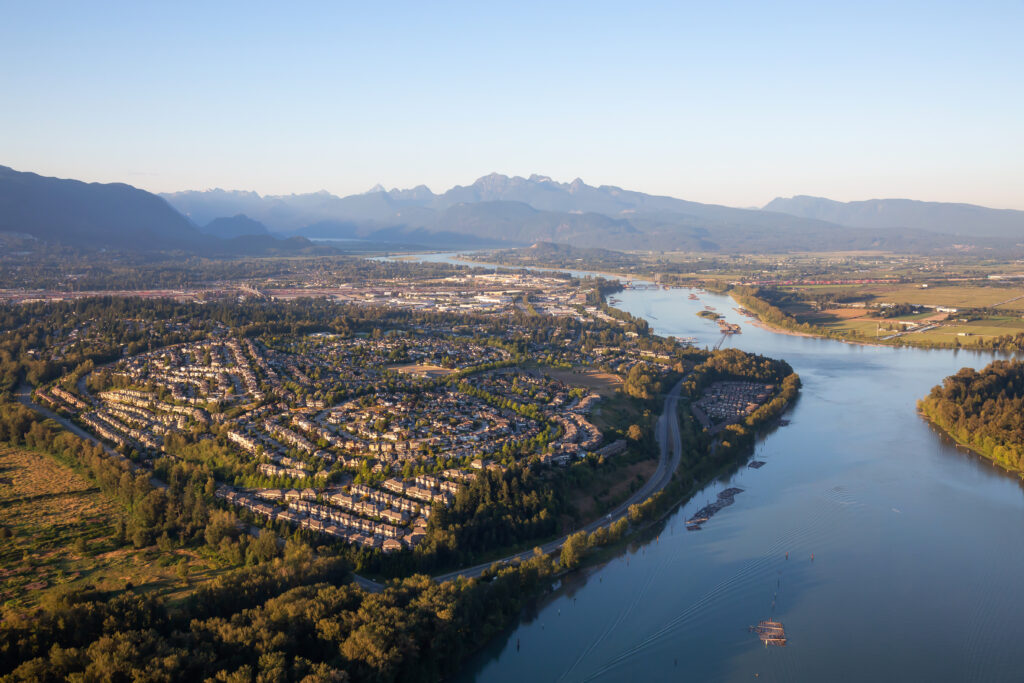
(892, 510)
(894, 513)
(775, 329)
(971, 449)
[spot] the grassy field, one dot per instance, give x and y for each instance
(965, 296)
(422, 369)
(602, 383)
(64, 531)
(606, 492)
(976, 331)
(612, 415)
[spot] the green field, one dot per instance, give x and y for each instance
(957, 296)
(977, 330)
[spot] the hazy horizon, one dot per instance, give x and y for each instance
(731, 104)
(441, 190)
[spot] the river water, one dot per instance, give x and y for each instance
(917, 562)
(917, 559)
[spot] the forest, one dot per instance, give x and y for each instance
(984, 410)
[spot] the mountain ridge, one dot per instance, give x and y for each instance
(496, 210)
(950, 218)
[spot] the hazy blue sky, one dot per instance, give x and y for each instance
(723, 102)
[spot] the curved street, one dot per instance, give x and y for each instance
(670, 452)
(669, 446)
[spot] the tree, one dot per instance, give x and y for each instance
(265, 547)
(573, 549)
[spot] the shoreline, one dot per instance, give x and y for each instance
(756, 321)
(1019, 474)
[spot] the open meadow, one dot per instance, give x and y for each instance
(60, 530)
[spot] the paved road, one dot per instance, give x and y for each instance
(666, 431)
(24, 396)
(906, 332)
(671, 450)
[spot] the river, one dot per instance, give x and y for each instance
(916, 569)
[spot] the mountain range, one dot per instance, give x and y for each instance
(495, 210)
(501, 209)
(940, 217)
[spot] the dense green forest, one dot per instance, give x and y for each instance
(984, 410)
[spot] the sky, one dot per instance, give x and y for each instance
(716, 101)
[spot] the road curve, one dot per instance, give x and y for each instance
(669, 446)
(670, 452)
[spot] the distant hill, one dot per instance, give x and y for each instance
(122, 217)
(564, 255)
(91, 214)
(968, 220)
(236, 226)
(267, 245)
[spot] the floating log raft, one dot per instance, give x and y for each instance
(770, 633)
(725, 499)
(756, 464)
(728, 328)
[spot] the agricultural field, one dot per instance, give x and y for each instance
(63, 532)
(862, 322)
(865, 312)
(956, 296)
(969, 334)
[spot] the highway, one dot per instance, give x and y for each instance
(670, 452)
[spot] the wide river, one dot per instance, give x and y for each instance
(918, 565)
